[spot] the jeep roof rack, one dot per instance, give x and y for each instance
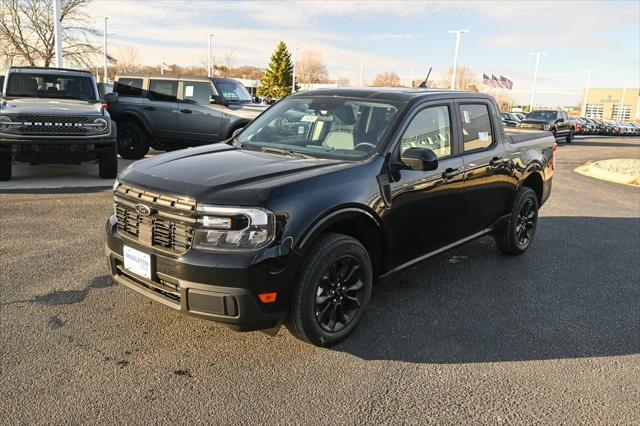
(48, 68)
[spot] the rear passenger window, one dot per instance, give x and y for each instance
(163, 90)
(476, 126)
(430, 128)
(128, 87)
(195, 92)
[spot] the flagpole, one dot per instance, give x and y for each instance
(535, 77)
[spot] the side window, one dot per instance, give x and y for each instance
(476, 126)
(128, 87)
(163, 90)
(197, 93)
(430, 128)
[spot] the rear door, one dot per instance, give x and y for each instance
(198, 119)
(162, 108)
(426, 206)
(487, 187)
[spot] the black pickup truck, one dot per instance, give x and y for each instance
(555, 121)
(296, 216)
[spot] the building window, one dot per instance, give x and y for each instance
(594, 110)
(623, 113)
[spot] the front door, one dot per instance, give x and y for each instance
(198, 119)
(426, 206)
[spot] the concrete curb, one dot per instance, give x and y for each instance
(595, 170)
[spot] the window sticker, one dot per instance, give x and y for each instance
(309, 118)
(465, 113)
(301, 130)
(483, 136)
(188, 91)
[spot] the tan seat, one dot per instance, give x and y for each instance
(339, 139)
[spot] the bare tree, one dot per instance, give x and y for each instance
(310, 69)
(387, 79)
(27, 33)
(343, 82)
(128, 59)
(465, 80)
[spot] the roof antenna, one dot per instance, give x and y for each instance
(424, 83)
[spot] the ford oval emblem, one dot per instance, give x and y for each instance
(143, 210)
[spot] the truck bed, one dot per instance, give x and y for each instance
(517, 136)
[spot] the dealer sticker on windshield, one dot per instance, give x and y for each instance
(137, 262)
(309, 118)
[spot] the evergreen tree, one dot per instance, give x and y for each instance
(278, 78)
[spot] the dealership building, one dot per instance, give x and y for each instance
(612, 104)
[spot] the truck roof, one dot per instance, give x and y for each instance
(397, 94)
(48, 70)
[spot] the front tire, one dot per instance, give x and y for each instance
(517, 235)
(133, 141)
(332, 291)
(108, 164)
(5, 167)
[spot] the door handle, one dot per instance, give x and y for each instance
(149, 108)
(186, 111)
(450, 173)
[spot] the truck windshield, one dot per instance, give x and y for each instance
(543, 115)
(50, 86)
(233, 91)
(324, 127)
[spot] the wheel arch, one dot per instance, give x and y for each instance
(356, 222)
(533, 179)
(135, 117)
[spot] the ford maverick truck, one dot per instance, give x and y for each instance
(167, 113)
(296, 217)
(53, 115)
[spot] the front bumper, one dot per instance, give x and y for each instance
(64, 150)
(217, 287)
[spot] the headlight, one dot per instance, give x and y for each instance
(4, 119)
(100, 124)
(115, 184)
(547, 126)
(234, 228)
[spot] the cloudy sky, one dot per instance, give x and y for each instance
(397, 36)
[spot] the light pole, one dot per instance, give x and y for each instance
(106, 56)
(362, 62)
(57, 27)
(624, 92)
(535, 77)
(411, 76)
(209, 64)
(293, 82)
(162, 66)
(586, 92)
(455, 56)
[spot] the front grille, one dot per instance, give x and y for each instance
(53, 124)
(167, 227)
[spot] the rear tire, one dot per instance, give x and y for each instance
(108, 164)
(133, 141)
(518, 234)
(5, 167)
(332, 291)
(569, 137)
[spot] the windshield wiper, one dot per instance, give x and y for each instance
(286, 152)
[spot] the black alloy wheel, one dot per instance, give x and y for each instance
(526, 223)
(339, 294)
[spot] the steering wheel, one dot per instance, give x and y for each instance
(367, 144)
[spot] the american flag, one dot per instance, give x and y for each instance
(506, 83)
(495, 82)
(486, 80)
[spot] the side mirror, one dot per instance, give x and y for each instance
(420, 159)
(217, 99)
(111, 98)
(236, 132)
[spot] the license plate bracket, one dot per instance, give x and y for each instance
(137, 262)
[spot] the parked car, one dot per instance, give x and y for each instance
(509, 119)
(555, 121)
(519, 115)
(175, 112)
(54, 115)
(279, 225)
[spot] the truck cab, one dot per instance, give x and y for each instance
(166, 112)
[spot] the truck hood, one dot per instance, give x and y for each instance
(248, 111)
(49, 106)
(223, 174)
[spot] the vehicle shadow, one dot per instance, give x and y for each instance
(574, 294)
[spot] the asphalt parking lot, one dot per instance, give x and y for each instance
(469, 336)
